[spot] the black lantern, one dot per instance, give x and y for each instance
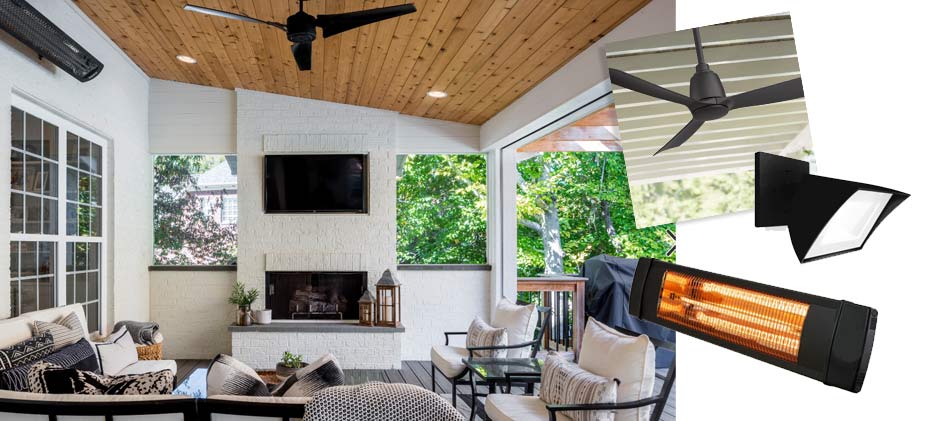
(388, 301)
(824, 216)
(827, 340)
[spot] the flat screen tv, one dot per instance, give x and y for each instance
(316, 183)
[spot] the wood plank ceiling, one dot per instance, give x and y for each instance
(747, 55)
(483, 53)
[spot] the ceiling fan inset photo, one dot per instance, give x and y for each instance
(301, 27)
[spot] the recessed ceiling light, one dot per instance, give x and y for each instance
(186, 59)
(437, 94)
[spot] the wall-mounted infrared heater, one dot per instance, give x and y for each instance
(827, 340)
(26, 24)
(824, 216)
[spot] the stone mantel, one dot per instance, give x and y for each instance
(315, 327)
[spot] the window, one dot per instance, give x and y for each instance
(47, 221)
(442, 209)
(195, 210)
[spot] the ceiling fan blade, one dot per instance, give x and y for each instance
(338, 23)
(682, 136)
(229, 15)
(637, 84)
(302, 52)
(784, 91)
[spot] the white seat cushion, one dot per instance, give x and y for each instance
(149, 366)
(505, 407)
(630, 359)
(19, 329)
(520, 321)
(448, 359)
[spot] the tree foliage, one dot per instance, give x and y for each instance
(693, 198)
(590, 193)
(182, 233)
(441, 209)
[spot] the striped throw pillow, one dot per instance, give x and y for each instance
(65, 331)
(482, 334)
(563, 382)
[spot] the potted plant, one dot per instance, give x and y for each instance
(243, 298)
(289, 364)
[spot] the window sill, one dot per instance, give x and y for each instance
(193, 268)
(484, 267)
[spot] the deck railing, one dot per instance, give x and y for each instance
(565, 296)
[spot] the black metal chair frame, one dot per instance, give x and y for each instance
(659, 401)
(543, 315)
(54, 409)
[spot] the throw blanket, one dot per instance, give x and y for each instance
(141, 332)
(379, 402)
(79, 355)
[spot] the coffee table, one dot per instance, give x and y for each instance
(196, 385)
(495, 372)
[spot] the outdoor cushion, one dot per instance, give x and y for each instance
(563, 382)
(117, 352)
(149, 366)
(520, 321)
(507, 407)
(25, 352)
(46, 377)
(20, 328)
(320, 374)
(379, 402)
(65, 331)
(79, 356)
(630, 359)
(481, 334)
(228, 376)
(448, 359)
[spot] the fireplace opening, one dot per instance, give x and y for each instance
(315, 295)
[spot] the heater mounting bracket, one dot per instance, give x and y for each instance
(776, 181)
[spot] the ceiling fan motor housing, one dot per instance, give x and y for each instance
(301, 27)
(706, 88)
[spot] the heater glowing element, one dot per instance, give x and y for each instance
(762, 322)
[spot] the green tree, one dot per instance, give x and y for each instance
(575, 205)
(182, 233)
(441, 209)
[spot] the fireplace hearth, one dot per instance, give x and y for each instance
(315, 295)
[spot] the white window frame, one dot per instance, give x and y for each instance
(66, 126)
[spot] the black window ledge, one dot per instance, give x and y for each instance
(193, 268)
(485, 267)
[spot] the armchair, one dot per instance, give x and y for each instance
(447, 359)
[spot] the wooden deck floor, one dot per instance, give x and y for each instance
(417, 373)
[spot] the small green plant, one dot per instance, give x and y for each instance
(242, 297)
(292, 360)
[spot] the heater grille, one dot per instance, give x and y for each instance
(762, 322)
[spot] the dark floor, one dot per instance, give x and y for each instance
(418, 373)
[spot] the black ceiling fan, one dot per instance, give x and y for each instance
(707, 100)
(300, 28)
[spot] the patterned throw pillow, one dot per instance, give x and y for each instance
(312, 378)
(65, 331)
(79, 356)
(228, 376)
(563, 382)
(482, 334)
(46, 377)
(30, 350)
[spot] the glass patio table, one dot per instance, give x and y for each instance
(495, 372)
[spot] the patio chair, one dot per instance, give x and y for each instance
(447, 359)
(508, 407)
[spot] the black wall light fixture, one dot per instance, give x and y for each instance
(827, 340)
(824, 216)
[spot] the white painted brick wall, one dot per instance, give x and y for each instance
(372, 350)
(193, 312)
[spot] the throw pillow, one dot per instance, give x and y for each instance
(79, 356)
(25, 352)
(520, 321)
(320, 374)
(482, 334)
(65, 331)
(228, 376)
(46, 377)
(563, 382)
(117, 352)
(630, 359)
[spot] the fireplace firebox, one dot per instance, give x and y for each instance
(315, 295)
